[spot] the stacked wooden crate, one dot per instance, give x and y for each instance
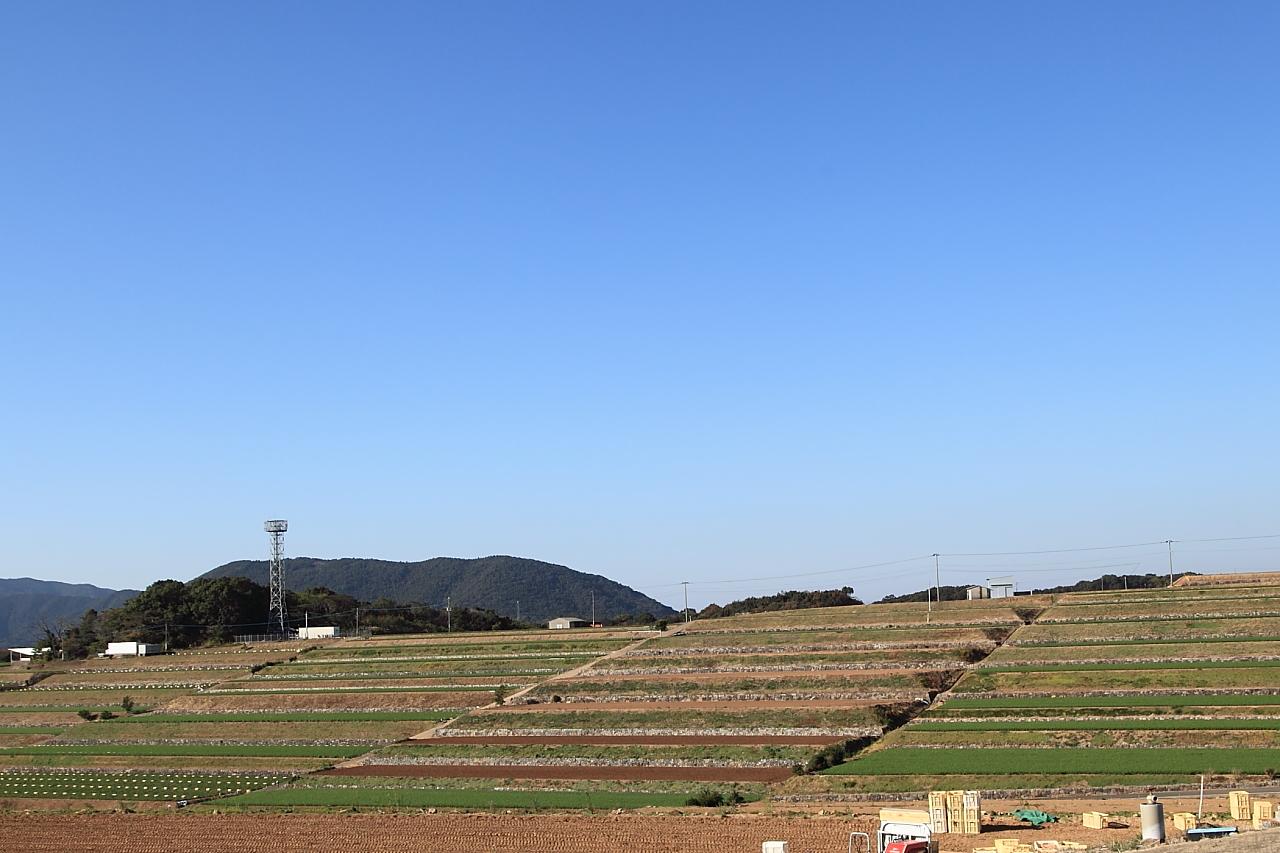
(955, 812)
(1010, 845)
(972, 813)
(1184, 821)
(938, 812)
(958, 812)
(1096, 820)
(1241, 805)
(1263, 813)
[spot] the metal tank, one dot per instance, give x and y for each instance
(1152, 815)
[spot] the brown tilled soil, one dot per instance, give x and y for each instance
(438, 833)
(713, 677)
(328, 701)
(625, 740)
(610, 774)
(692, 704)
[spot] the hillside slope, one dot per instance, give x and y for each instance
(544, 590)
(27, 603)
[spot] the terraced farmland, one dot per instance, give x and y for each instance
(1145, 688)
(743, 699)
(93, 785)
(1028, 693)
(271, 709)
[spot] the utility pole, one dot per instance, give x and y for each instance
(593, 608)
(357, 621)
(517, 610)
(448, 609)
(686, 601)
(937, 578)
(1169, 542)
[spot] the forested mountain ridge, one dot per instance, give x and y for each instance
(543, 590)
(27, 605)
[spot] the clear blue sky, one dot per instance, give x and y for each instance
(655, 290)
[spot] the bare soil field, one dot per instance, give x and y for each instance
(509, 833)
(691, 704)
(533, 771)
(441, 833)
(624, 740)
(328, 701)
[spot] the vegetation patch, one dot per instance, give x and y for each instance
(944, 762)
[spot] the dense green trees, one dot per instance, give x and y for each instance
(791, 600)
(215, 610)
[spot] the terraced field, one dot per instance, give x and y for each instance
(1030, 693)
(1144, 688)
(744, 699)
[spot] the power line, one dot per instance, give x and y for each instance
(1059, 550)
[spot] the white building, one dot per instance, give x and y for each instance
(24, 654)
(132, 650)
(1001, 587)
(567, 622)
(318, 632)
(975, 593)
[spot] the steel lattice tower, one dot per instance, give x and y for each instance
(276, 617)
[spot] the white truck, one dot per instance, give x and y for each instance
(905, 831)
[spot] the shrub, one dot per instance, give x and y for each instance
(128, 704)
(85, 714)
(709, 797)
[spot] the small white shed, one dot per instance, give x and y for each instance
(318, 632)
(1001, 587)
(563, 622)
(132, 650)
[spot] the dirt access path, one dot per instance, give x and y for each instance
(431, 732)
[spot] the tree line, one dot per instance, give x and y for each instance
(208, 611)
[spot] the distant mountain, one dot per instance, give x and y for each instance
(26, 604)
(544, 590)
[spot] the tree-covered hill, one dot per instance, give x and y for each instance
(27, 605)
(544, 590)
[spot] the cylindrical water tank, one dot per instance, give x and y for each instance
(1152, 821)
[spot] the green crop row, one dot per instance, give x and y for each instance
(457, 798)
(944, 762)
(1132, 665)
(128, 786)
(1171, 700)
(1154, 641)
(1218, 724)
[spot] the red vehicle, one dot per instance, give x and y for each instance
(907, 847)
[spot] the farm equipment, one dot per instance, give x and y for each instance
(905, 831)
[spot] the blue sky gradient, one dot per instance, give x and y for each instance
(661, 291)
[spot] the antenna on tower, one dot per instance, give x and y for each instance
(276, 616)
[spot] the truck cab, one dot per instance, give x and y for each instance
(914, 846)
